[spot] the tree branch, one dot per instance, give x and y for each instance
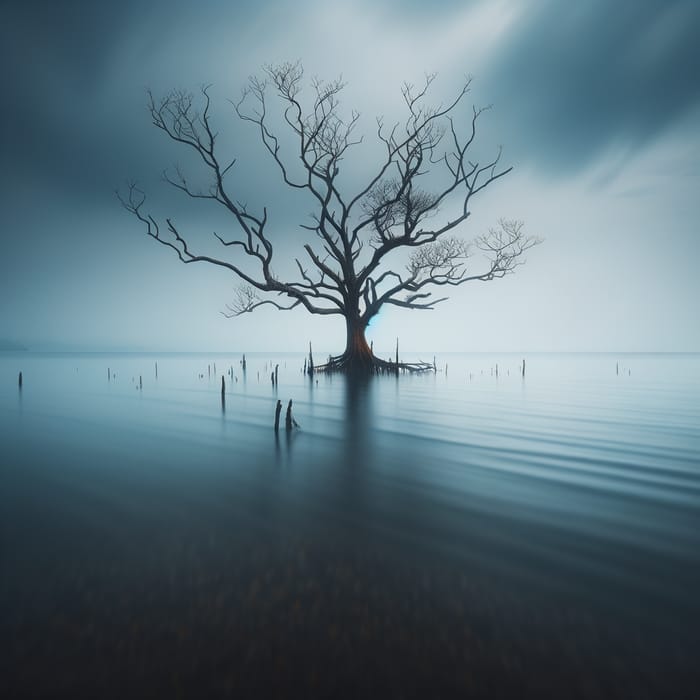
(426, 167)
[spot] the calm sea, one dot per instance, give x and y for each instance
(479, 529)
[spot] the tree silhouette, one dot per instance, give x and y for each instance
(348, 265)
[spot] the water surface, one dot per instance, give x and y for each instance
(481, 530)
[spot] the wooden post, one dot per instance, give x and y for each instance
(497, 370)
(276, 374)
(288, 420)
(109, 376)
(272, 378)
(523, 367)
(397, 357)
(311, 361)
(304, 365)
(278, 410)
(223, 387)
(156, 370)
(434, 365)
(140, 382)
(20, 380)
(243, 363)
(617, 368)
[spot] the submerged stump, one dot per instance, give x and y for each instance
(278, 410)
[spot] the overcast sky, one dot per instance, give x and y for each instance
(596, 105)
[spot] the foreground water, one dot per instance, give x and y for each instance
(465, 530)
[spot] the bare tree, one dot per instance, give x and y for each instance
(345, 267)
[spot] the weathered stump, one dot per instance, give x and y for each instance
(289, 421)
(278, 410)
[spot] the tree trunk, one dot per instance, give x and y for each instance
(358, 357)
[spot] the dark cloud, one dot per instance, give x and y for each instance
(569, 80)
(575, 78)
(71, 39)
(56, 56)
(76, 74)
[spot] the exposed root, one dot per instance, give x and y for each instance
(371, 365)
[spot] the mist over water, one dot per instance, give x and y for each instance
(461, 510)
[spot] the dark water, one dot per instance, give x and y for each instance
(453, 532)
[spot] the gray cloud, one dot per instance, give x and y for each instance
(575, 78)
(568, 80)
(77, 71)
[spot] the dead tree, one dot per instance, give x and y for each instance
(351, 264)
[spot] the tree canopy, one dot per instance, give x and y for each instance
(416, 200)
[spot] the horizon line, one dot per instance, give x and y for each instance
(105, 351)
